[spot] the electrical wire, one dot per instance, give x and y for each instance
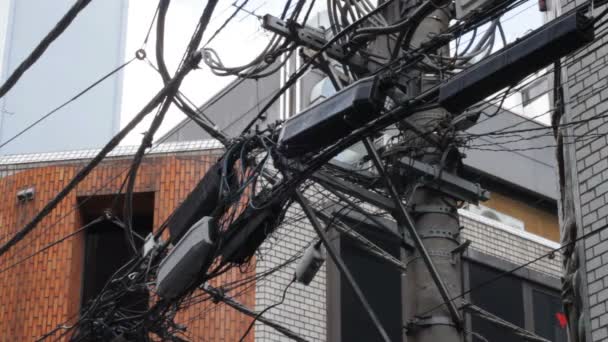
(517, 268)
(267, 309)
(294, 77)
(39, 50)
(242, 148)
(54, 243)
(158, 98)
(72, 99)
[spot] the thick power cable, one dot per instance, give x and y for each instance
(158, 119)
(56, 242)
(59, 28)
(155, 101)
(293, 78)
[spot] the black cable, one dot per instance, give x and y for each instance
(294, 77)
(264, 311)
(39, 50)
(515, 269)
(157, 99)
(158, 119)
(137, 159)
(74, 98)
(225, 23)
(56, 242)
(145, 42)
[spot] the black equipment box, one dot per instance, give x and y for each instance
(332, 119)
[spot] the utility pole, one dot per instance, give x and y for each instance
(434, 213)
(424, 199)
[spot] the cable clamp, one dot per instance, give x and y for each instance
(150, 244)
(459, 250)
(140, 54)
(419, 323)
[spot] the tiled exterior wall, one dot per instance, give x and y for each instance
(42, 292)
(38, 295)
(496, 239)
(304, 309)
(587, 97)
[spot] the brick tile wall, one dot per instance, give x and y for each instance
(43, 292)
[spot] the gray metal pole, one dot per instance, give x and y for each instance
(438, 229)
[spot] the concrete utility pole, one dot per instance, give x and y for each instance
(430, 218)
(434, 213)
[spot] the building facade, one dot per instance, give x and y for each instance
(45, 283)
(584, 206)
(518, 224)
(46, 290)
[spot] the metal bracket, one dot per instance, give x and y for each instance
(415, 325)
(438, 233)
(459, 250)
(437, 209)
(354, 190)
(446, 182)
(437, 253)
(313, 39)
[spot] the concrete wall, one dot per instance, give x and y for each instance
(92, 46)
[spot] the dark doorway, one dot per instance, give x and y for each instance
(106, 249)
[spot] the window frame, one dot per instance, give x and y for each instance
(531, 280)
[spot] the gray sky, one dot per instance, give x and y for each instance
(240, 42)
(237, 44)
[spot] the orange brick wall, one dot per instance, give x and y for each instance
(43, 292)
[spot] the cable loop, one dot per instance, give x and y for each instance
(140, 54)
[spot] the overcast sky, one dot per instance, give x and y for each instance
(240, 42)
(237, 44)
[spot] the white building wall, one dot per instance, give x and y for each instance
(304, 309)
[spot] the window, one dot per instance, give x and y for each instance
(504, 298)
(524, 303)
(547, 315)
(534, 90)
(379, 281)
(106, 249)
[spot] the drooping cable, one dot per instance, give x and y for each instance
(267, 309)
(63, 105)
(294, 77)
(80, 175)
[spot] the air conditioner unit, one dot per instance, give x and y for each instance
(464, 7)
(495, 215)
